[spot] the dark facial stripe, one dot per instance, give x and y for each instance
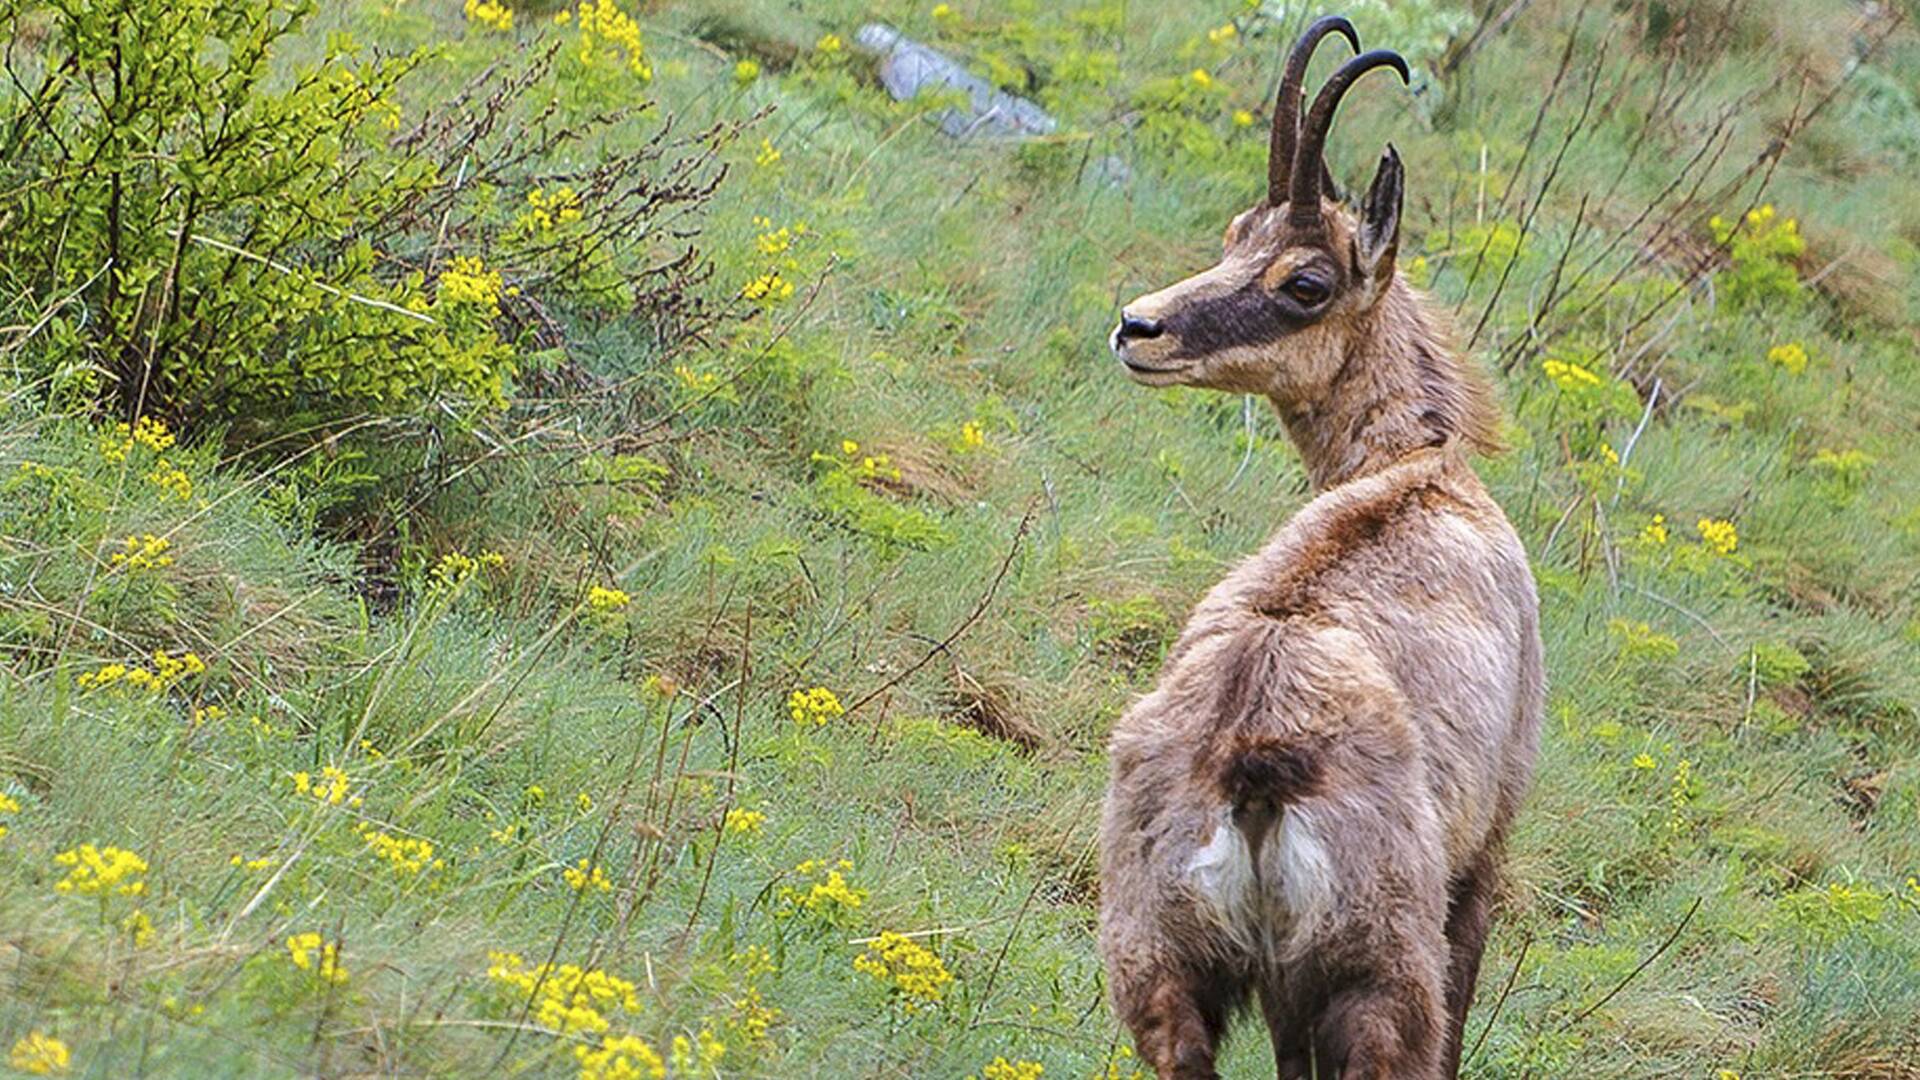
(1249, 315)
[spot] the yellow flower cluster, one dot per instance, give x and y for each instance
(606, 30)
(752, 1017)
(1570, 377)
(828, 44)
(1679, 795)
(545, 211)
(256, 865)
(586, 874)
(912, 970)
(689, 1060)
(468, 281)
(139, 928)
(8, 805)
(330, 788)
(1792, 356)
(828, 895)
(942, 11)
(567, 998)
(1222, 35)
(407, 855)
(167, 670)
(309, 952)
(741, 822)
(1200, 78)
(607, 601)
(1002, 1069)
(143, 552)
(1718, 536)
(95, 871)
(171, 480)
(768, 288)
(146, 431)
(455, 568)
(769, 154)
(816, 706)
(40, 1054)
(746, 71)
(1654, 532)
(490, 13)
(772, 241)
(620, 1057)
(971, 436)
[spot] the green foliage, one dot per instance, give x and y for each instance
(1761, 249)
(213, 228)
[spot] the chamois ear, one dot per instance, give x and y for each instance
(1379, 237)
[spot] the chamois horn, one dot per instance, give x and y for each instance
(1286, 107)
(1303, 193)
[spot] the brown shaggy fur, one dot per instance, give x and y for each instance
(1308, 808)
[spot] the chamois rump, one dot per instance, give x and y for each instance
(1308, 809)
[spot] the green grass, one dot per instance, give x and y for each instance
(1729, 793)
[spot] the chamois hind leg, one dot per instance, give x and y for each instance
(1381, 1031)
(1177, 1021)
(1468, 916)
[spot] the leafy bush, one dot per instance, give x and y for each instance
(201, 233)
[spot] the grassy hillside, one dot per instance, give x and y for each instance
(734, 704)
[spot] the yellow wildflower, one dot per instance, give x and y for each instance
(1792, 356)
(467, 281)
(620, 1057)
(171, 480)
(769, 154)
(607, 600)
(746, 71)
(536, 795)
(94, 871)
(143, 552)
(971, 437)
(828, 44)
(567, 998)
(584, 801)
(1570, 377)
(1002, 1069)
(769, 288)
(740, 822)
(1200, 78)
(305, 949)
(914, 973)
(828, 895)
(40, 1054)
(607, 31)
(407, 855)
(490, 13)
(1655, 532)
(942, 11)
(8, 805)
(1242, 118)
(1644, 762)
(585, 875)
(1223, 33)
(545, 211)
(330, 788)
(138, 927)
(816, 706)
(1718, 536)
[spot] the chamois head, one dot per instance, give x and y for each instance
(1301, 277)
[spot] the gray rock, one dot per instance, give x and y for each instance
(907, 68)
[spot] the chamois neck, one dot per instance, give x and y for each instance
(1399, 389)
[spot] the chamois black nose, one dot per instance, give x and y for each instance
(1135, 328)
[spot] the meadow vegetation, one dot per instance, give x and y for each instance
(585, 540)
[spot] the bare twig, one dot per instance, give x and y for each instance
(979, 609)
(1693, 909)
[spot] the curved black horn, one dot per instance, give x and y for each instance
(1303, 193)
(1286, 107)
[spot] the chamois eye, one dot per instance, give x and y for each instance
(1305, 289)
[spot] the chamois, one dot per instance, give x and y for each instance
(1308, 808)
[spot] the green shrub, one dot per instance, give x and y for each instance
(206, 228)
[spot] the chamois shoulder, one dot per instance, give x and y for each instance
(1401, 521)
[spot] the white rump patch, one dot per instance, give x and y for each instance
(1295, 870)
(1222, 877)
(1298, 860)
